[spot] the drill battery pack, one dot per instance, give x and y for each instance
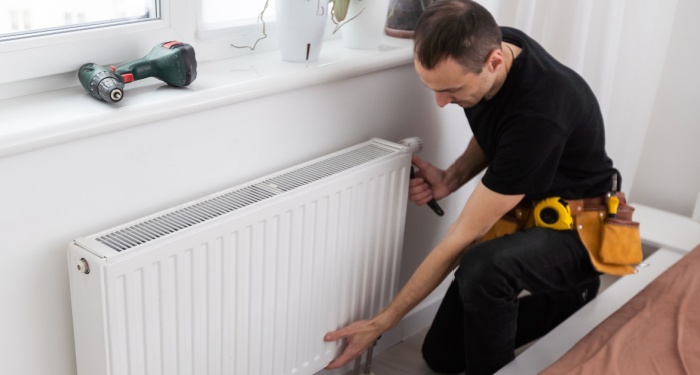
(188, 57)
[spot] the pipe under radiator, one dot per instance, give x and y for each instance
(247, 280)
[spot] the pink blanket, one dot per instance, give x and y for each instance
(656, 332)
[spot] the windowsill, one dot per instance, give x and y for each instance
(53, 117)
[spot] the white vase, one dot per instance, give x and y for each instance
(300, 26)
(366, 30)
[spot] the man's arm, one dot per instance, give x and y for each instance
(467, 166)
(432, 182)
(483, 208)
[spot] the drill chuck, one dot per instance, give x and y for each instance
(109, 88)
(101, 82)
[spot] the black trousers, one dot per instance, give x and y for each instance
(481, 319)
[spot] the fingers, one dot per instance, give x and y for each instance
(355, 347)
(421, 198)
(333, 336)
(418, 162)
(428, 183)
(419, 191)
(348, 355)
(359, 337)
(344, 332)
(426, 171)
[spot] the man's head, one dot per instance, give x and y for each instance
(458, 29)
(455, 38)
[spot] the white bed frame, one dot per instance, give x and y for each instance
(673, 235)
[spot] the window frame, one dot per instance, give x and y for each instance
(61, 53)
(49, 62)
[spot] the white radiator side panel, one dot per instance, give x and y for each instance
(255, 293)
(87, 293)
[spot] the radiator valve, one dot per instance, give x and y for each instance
(83, 266)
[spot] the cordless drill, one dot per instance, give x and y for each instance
(171, 62)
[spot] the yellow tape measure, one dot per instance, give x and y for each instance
(553, 213)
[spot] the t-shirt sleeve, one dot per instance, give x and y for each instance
(526, 158)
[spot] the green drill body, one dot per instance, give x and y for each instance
(171, 62)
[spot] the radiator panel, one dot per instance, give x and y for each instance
(248, 292)
(232, 200)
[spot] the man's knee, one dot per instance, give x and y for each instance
(482, 275)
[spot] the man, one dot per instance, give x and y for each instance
(538, 128)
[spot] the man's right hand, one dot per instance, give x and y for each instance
(428, 183)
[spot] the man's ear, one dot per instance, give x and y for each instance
(494, 60)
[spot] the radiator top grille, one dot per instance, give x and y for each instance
(230, 201)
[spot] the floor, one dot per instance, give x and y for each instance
(405, 358)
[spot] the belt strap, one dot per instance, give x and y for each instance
(578, 206)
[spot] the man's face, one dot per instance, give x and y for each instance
(452, 84)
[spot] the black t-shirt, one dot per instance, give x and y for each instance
(543, 131)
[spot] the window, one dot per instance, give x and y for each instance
(46, 41)
(235, 13)
(28, 18)
(244, 23)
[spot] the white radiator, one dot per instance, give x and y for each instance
(248, 280)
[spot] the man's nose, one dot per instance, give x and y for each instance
(442, 99)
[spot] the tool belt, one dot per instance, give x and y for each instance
(611, 238)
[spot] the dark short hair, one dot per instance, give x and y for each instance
(458, 29)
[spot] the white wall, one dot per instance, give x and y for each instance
(668, 176)
(52, 195)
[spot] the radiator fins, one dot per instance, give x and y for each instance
(230, 201)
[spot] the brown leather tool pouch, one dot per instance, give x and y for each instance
(619, 242)
(613, 244)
